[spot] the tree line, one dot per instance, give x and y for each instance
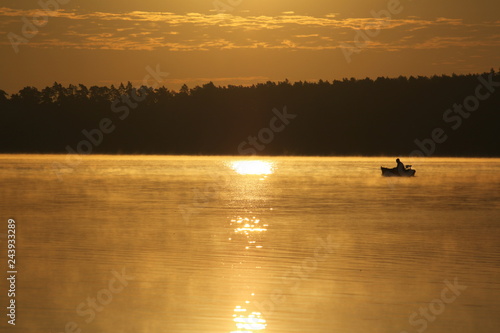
(382, 116)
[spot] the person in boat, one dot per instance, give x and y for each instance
(400, 167)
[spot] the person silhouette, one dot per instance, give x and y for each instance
(400, 167)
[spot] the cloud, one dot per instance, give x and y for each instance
(306, 36)
(141, 30)
(220, 80)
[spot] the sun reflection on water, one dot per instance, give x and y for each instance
(252, 167)
(247, 321)
(251, 228)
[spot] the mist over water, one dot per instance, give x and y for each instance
(277, 244)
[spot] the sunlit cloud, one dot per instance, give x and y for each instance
(306, 36)
(221, 80)
(141, 30)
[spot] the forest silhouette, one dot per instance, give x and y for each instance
(385, 116)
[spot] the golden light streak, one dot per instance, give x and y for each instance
(252, 167)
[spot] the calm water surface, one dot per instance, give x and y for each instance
(223, 244)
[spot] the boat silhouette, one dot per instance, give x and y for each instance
(394, 172)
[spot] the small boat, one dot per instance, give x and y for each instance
(393, 172)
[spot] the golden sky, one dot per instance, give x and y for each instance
(98, 42)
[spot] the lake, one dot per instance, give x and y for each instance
(230, 244)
